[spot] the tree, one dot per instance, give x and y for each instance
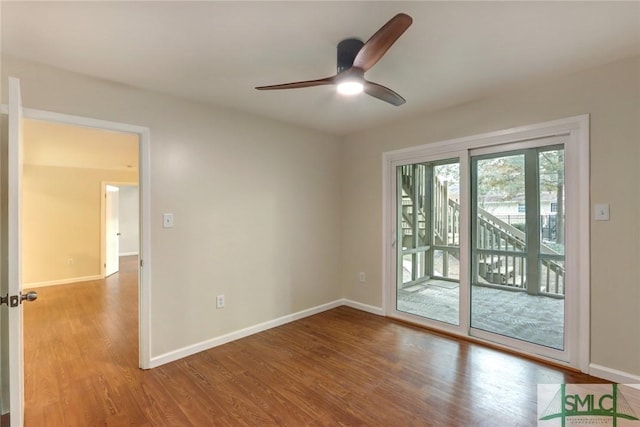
(500, 179)
(503, 179)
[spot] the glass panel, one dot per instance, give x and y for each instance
(551, 184)
(552, 276)
(501, 204)
(500, 233)
(446, 264)
(407, 269)
(507, 270)
(518, 282)
(428, 248)
(551, 202)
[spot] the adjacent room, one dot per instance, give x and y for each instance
(317, 213)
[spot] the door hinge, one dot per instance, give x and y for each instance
(141, 263)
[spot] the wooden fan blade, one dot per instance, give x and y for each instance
(381, 41)
(295, 85)
(383, 93)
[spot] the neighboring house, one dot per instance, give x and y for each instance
(515, 207)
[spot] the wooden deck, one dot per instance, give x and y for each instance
(340, 367)
(535, 318)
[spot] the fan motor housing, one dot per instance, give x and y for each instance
(347, 51)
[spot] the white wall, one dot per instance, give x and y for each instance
(256, 205)
(611, 95)
(128, 217)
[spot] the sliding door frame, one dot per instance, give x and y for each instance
(389, 298)
(575, 133)
(533, 243)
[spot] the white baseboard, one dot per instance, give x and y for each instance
(613, 375)
(128, 253)
(232, 336)
(595, 370)
(61, 281)
(363, 307)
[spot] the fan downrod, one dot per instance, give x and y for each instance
(347, 51)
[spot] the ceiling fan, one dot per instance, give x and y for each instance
(355, 58)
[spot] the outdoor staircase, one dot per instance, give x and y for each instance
(500, 259)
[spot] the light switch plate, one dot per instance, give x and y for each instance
(167, 220)
(601, 212)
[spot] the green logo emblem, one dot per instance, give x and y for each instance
(588, 404)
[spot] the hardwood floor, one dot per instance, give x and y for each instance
(340, 367)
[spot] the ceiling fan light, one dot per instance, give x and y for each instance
(350, 87)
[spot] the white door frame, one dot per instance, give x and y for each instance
(144, 184)
(576, 129)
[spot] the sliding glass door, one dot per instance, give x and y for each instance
(488, 238)
(428, 230)
(517, 245)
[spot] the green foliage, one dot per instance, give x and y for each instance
(520, 226)
(501, 178)
(448, 172)
(551, 166)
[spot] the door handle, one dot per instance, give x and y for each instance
(29, 296)
(117, 234)
(14, 300)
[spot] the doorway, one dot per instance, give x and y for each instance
(120, 219)
(111, 230)
(143, 178)
(64, 167)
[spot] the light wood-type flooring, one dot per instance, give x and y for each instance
(340, 367)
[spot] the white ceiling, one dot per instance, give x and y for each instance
(216, 52)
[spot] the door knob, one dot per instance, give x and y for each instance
(29, 296)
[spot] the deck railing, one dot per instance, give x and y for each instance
(500, 255)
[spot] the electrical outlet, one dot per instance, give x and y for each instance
(220, 301)
(362, 277)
